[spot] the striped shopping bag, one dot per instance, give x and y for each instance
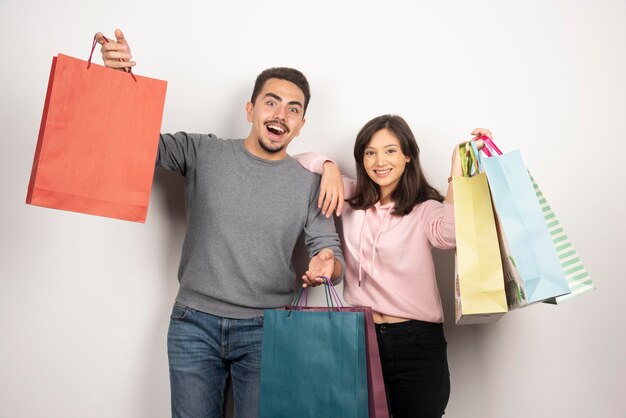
(577, 278)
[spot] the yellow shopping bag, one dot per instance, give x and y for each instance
(479, 283)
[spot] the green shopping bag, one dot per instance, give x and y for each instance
(577, 278)
(313, 365)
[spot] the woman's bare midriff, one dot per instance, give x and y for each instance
(380, 318)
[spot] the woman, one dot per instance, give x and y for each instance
(393, 219)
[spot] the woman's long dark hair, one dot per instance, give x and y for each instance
(413, 187)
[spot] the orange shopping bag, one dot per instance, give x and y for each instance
(97, 141)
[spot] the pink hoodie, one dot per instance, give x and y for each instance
(388, 258)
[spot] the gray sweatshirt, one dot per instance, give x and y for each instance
(244, 217)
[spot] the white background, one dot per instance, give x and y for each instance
(85, 301)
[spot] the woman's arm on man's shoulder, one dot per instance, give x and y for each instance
(334, 187)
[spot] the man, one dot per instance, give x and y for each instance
(247, 203)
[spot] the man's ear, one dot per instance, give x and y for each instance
(249, 107)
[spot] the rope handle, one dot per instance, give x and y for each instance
(333, 301)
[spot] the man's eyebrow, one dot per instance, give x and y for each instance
(280, 99)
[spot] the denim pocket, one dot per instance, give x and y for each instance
(179, 312)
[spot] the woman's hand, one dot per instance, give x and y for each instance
(331, 190)
(479, 133)
(115, 54)
(455, 167)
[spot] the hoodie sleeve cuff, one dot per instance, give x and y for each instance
(312, 161)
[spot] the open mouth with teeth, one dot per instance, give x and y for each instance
(275, 130)
(382, 173)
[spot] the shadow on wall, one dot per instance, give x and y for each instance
(167, 208)
(300, 257)
(169, 194)
(467, 344)
(444, 270)
(169, 188)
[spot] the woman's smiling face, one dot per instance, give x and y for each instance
(384, 162)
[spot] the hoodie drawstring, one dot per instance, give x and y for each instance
(361, 246)
(380, 230)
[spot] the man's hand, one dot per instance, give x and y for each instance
(115, 54)
(323, 264)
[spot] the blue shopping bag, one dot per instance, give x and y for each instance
(313, 364)
(528, 240)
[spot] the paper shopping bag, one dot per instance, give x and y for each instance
(97, 141)
(376, 395)
(313, 364)
(513, 283)
(479, 282)
(530, 257)
(578, 279)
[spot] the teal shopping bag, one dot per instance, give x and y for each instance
(313, 365)
(528, 239)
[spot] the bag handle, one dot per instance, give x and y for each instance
(469, 164)
(333, 301)
(93, 47)
(479, 159)
(333, 290)
(330, 292)
(489, 147)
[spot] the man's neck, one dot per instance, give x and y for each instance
(252, 145)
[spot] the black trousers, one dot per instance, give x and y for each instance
(415, 368)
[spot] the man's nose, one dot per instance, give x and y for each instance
(279, 112)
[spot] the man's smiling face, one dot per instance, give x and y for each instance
(277, 117)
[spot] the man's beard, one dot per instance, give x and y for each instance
(268, 148)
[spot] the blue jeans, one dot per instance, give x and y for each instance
(205, 352)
